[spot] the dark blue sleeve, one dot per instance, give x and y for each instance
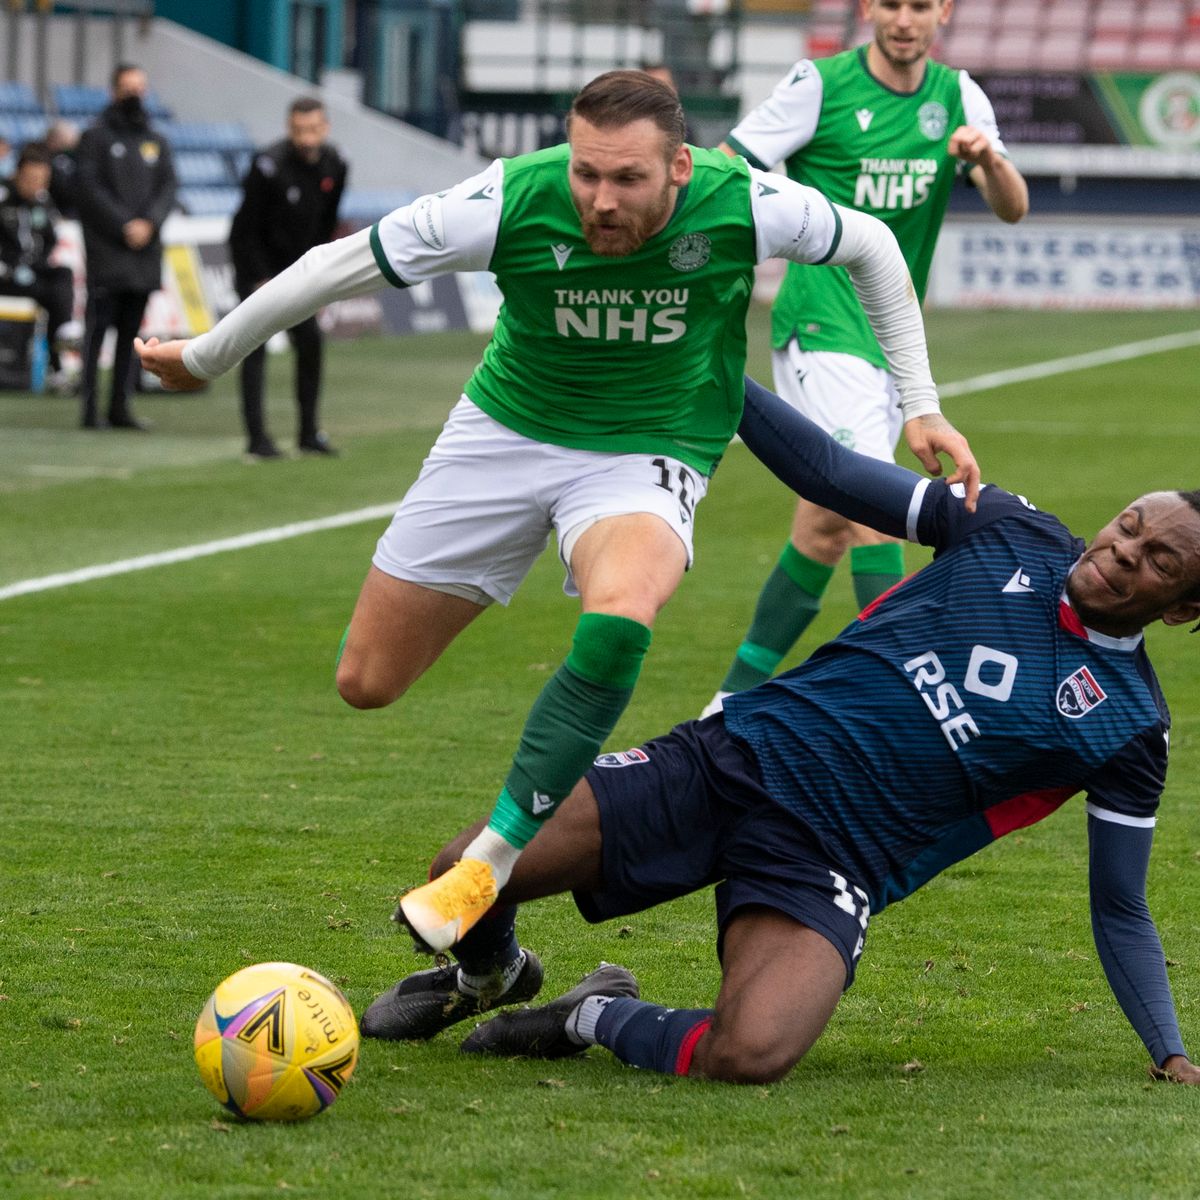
(881, 495)
(1126, 939)
(865, 490)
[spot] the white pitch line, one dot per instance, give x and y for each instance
(1075, 362)
(261, 537)
(242, 541)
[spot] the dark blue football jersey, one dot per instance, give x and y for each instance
(967, 702)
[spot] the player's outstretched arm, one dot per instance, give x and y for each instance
(999, 182)
(931, 435)
(1127, 939)
(165, 360)
(335, 271)
(805, 458)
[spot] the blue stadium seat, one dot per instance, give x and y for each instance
(156, 107)
(78, 100)
(367, 205)
(228, 135)
(18, 98)
(19, 128)
(202, 168)
(209, 201)
(240, 161)
(206, 135)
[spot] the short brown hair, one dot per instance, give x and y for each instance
(618, 98)
(35, 152)
(305, 104)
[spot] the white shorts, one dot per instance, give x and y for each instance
(853, 400)
(482, 509)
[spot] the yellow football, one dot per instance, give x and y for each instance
(276, 1042)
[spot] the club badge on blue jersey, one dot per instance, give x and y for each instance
(1079, 693)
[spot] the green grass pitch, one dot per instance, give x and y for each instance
(183, 793)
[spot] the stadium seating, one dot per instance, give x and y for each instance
(19, 128)
(203, 168)
(209, 201)
(18, 98)
(1042, 35)
(367, 205)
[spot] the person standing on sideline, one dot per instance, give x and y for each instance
(62, 140)
(885, 130)
(27, 240)
(604, 401)
(290, 200)
(126, 188)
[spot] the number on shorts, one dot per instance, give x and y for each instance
(686, 484)
(852, 900)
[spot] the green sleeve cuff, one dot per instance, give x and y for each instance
(381, 260)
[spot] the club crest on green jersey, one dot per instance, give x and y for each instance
(689, 252)
(932, 119)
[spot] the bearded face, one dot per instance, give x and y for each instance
(623, 183)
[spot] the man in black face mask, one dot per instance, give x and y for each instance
(126, 190)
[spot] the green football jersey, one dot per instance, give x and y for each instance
(642, 353)
(840, 130)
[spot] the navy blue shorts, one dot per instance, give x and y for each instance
(688, 810)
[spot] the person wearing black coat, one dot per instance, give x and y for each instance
(27, 240)
(126, 188)
(290, 198)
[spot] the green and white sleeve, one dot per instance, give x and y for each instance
(799, 224)
(437, 234)
(784, 122)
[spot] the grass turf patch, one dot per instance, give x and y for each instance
(184, 794)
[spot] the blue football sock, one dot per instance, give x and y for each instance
(650, 1036)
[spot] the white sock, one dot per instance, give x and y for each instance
(499, 854)
(494, 984)
(581, 1021)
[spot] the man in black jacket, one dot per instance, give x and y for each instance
(126, 189)
(28, 238)
(289, 205)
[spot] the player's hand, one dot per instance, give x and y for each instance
(165, 359)
(932, 435)
(971, 145)
(1176, 1069)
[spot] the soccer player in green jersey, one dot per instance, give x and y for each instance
(609, 390)
(885, 130)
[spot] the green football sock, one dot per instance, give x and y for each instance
(787, 604)
(874, 569)
(569, 722)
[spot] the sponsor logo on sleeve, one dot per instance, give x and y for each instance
(428, 223)
(623, 758)
(1079, 693)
